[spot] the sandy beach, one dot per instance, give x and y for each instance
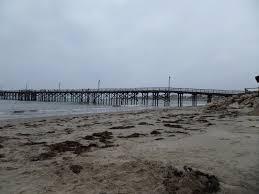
(175, 150)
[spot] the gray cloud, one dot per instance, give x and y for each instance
(202, 44)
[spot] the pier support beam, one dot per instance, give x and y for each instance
(180, 99)
(167, 99)
(209, 99)
(194, 99)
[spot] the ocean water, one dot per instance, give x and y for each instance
(30, 109)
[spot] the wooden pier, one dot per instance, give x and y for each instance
(116, 96)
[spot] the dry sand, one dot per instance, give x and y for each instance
(154, 151)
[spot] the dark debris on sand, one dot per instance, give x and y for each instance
(68, 130)
(44, 120)
(66, 146)
(76, 168)
(72, 146)
(103, 137)
(144, 123)
(105, 134)
(23, 134)
(50, 132)
(155, 132)
(76, 147)
(157, 139)
(35, 143)
(8, 126)
(133, 135)
(89, 137)
(122, 127)
(172, 126)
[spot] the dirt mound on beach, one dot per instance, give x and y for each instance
(255, 112)
(148, 177)
(189, 181)
(248, 101)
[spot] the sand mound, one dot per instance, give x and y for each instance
(244, 101)
(189, 181)
(255, 112)
(141, 177)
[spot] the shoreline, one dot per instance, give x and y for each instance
(19, 109)
(98, 113)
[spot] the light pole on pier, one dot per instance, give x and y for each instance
(169, 82)
(59, 85)
(99, 83)
(257, 80)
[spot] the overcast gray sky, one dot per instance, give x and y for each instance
(129, 43)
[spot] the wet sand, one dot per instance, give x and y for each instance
(153, 151)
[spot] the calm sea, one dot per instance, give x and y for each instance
(31, 109)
